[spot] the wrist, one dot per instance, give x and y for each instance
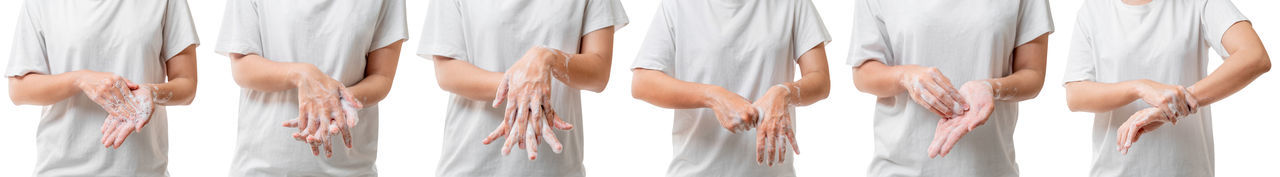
(709, 95)
(301, 73)
(1133, 89)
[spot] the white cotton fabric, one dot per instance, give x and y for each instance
(967, 40)
(744, 46)
(334, 35)
(1166, 42)
(132, 39)
(493, 35)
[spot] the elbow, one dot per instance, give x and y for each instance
(599, 84)
(1264, 64)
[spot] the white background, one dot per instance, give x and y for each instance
(628, 137)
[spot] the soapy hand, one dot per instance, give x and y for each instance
(978, 94)
(1171, 100)
(136, 107)
(110, 91)
(929, 88)
(1141, 122)
(775, 130)
(529, 117)
(325, 107)
(734, 112)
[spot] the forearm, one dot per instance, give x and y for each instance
(1089, 96)
(1027, 79)
(588, 70)
(466, 80)
(878, 79)
(815, 82)
(1021, 85)
(40, 89)
(811, 88)
(379, 72)
(258, 73)
(661, 90)
(177, 91)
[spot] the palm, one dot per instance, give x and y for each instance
(949, 131)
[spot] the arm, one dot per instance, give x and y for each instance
(181, 87)
(815, 81)
(252, 71)
(588, 70)
(378, 74)
(1248, 60)
(665, 91)
(42, 89)
(878, 79)
(1028, 72)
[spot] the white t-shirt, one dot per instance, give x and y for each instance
(965, 39)
(1164, 41)
(493, 35)
(743, 46)
(132, 39)
(334, 35)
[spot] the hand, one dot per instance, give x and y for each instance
(108, 90)
(929, 88)
(138, 104)
(979, 96)
(321, 111)
(734, 112)
(775, 129)
(1171, 100)
(1141, 122)
(526, 87)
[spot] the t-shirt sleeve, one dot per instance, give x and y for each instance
(1218, 16)
(657, 52)
(809, 29)
(28, 53)
(870, 39)
(442, 33)
(391, 25)
(240, 31)
(604, 13)
(179, 29)
(1081, 56)
(1034, 20)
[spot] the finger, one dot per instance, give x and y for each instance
(768, 146)
(346, 137)
(1120, 136)
(550, 137)
(290, 123)
(498, 132)
(501, 93)
(315, 148)
(352, 112)
(939, 136)
(952, 139)
(951, 91)
(121, 136)
(760, 143)
(791, 138)
(531, 132)
(1131, 137)
(779, 147)
(940, 98)
(328, 149)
